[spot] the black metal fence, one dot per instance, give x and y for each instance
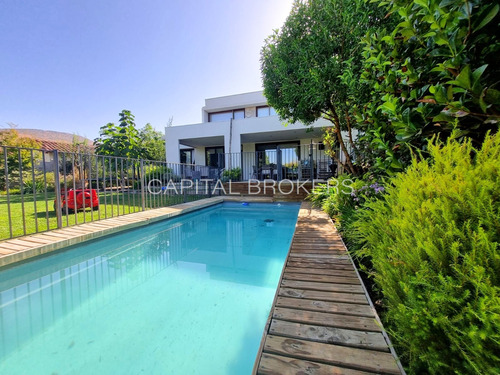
(306, 162)
(43, 190)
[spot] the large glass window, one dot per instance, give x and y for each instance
(214, 157)
(265, 111)
(226, 115)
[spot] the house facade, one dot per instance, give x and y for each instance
(242, 132)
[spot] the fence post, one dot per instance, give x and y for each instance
(143, 187)
(58, 190)
(311, 160)
(279, 163)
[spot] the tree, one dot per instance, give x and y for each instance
(16, 159)
(311, 67)
(152, 143)
(435, 74)
(119, 140)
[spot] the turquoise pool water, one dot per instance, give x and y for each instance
(189, 295)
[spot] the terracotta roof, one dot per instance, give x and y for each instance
(51, 140)
(61, 146)
(51, 135)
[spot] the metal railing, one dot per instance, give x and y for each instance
(43, 190)
(306, 162)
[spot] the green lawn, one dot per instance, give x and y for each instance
(111, 204)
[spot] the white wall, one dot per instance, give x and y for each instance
(175, 133)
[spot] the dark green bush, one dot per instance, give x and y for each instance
(232, 174)
(434, 245)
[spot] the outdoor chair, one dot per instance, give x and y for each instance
(323, 172)
(266, 171)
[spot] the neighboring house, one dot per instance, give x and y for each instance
(242, 131)
(53, 140)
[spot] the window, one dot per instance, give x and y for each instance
(214, 157)
(265, 111)
(226, 115)
(187, 156)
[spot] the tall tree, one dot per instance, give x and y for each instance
(311, 67)
(119, 140)
(152, 143)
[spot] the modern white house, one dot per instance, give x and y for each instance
(242, 131)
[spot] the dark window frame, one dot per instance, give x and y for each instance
(190, 150)
(231, 111)
(207, 158)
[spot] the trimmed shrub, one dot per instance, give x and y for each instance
(433, 242)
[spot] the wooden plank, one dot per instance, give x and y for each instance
(319, 257)
(358, 323)
(324, 296)
(319, 245)
(60, 235)
(326, 287)
(326, 306)
(294, 250)
(302, 264)
(360, 359)
(14, 245)
(37, 240)
(303, 238)
(322, 271)
(321, 278)
(329, 335)
(331, 260)
(272, 364)
(5, 251)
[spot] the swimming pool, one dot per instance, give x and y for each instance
(189, 295)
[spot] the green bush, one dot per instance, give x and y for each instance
(434, 245)
(232, 174)
(343, 197)
(30, 186)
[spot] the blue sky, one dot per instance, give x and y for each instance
(73, 65)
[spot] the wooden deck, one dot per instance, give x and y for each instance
(322, 321)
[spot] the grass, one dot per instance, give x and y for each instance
(39, 215)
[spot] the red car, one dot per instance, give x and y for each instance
(78, 199)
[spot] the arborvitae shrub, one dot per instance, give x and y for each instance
(434, 246)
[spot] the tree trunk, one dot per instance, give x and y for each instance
(336, 122)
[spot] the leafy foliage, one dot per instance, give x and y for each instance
(152, 143)
(311, 67)
(126, 141)
(17, 160)
(343, 198)
(119, 140)
(232, 174)
(434, 245)
(437, 71)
